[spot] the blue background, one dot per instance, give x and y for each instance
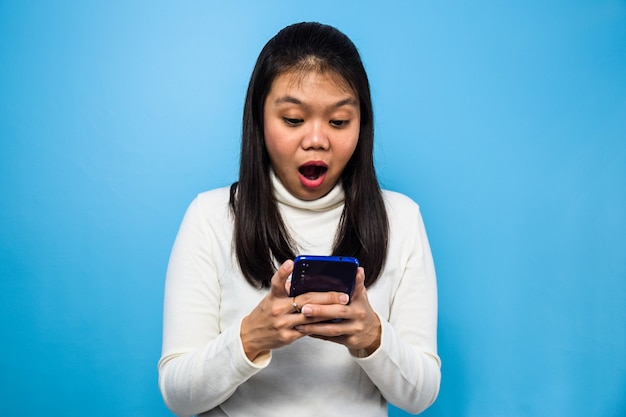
(506, 121)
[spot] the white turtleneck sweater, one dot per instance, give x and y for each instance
(204, 370)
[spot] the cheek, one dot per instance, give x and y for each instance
(348, 146)
(272, 144)
(271, 132)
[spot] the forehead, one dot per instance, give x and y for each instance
(311, 82)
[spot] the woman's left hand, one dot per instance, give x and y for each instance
(359, 329)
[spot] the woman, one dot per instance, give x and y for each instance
(235, 343)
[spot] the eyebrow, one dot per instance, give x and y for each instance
(293, 100)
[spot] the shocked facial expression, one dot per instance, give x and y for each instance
(311, 126)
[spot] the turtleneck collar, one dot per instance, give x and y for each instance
(331, 200)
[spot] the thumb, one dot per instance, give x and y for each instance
(279, 288)
(359, 283)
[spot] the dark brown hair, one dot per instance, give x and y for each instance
(260, 235)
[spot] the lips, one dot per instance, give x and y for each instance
(312, 174)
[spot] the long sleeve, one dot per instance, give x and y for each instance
(406, 368)
(202, 364)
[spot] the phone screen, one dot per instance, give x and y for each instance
(323, 273)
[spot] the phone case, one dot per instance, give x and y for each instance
(323, 273)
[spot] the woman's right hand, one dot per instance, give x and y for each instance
(271, 324)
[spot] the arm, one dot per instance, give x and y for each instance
(201, 364)
(406, 367)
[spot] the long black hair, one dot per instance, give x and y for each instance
(260, 235)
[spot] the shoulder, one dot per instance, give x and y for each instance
(210, 205)
(403, 213)
(211, 198)
(398, 203)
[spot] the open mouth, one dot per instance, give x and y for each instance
(313, 171)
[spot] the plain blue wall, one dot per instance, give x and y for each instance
(506, 121)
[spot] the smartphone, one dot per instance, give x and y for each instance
(323, 273)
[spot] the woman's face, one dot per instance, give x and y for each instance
(311, 130)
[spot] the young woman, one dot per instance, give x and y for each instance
(234, 342)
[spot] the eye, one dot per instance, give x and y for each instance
(292, 121)
(339, 123)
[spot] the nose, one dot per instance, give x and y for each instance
(316, 137)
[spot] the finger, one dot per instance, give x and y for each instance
(360, 277)
(336, 331)
(326, 312)
(288, 284)
(323, 298)
(359, 283)
(279, 280)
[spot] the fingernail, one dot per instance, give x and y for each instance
(343, 298)
(306, 310)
